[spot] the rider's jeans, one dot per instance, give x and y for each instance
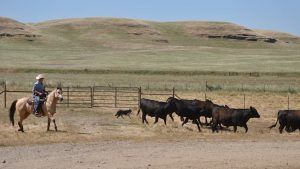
(36, 103)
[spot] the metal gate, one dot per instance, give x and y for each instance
(116, 97)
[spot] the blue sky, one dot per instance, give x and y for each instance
(280, 15)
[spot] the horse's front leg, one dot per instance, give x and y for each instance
(49, 121)
(51, 118)
(54, 124)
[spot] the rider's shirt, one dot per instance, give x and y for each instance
(38, 86)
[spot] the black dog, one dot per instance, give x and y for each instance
(123, 112)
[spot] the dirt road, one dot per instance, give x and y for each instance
(158, 154)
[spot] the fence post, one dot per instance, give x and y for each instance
(243, 87)
(68, 95)
(288, 102)
(115, 96)
(93, 94)
(204, 96)
(205, 88)
(244, 101)
(173, 92)
(4, 94)
(91, 97)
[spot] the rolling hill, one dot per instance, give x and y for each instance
(127, 44)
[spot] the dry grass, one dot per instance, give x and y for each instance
(88, 125)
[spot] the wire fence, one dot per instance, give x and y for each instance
(124, 97)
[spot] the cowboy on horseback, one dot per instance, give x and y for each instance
(39, 94)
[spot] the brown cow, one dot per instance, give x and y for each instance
(233, 117)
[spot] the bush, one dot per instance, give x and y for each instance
(214, 87)
(291, 90)
(2, 82)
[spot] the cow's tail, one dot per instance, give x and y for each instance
(12, 111)
(274, 125)
(139, 107)
(138, 111)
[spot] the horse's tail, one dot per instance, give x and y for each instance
(12, 111)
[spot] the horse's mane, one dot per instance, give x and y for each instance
(52, 92)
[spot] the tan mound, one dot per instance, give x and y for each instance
(225, 30)
(12, 28)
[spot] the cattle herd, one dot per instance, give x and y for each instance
(221, 115)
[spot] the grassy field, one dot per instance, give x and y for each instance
(196, 83)
(133, 45)
(181, 59)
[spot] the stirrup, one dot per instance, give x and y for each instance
(37, 114)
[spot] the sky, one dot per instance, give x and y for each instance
(278, 15)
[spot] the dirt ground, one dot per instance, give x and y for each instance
(94, 138)
(158, 154)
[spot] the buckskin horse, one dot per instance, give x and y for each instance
(24, 108)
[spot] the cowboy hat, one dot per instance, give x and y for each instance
(40, 76)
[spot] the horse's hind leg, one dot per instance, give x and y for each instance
(22, 117)
(20, 126)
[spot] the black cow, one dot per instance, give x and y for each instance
(155, 109)
(207, 107)
(233, 117)
(187, 110)
(201, 105)
(288, 119)
(197, 103)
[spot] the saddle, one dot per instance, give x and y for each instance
(30, 101)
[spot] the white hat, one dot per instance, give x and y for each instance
(40, 76)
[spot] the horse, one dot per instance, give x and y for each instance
(24, 108)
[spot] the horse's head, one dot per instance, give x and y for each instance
(58, 94)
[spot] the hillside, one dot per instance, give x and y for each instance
(12, 28)
(113, 32)
(127, 44)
